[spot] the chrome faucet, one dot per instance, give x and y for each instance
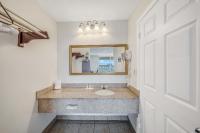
(88, 86)
(103, 87)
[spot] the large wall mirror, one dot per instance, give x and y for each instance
(97, 60)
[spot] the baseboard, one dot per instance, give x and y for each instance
(92, 117)
(48, 128)
(95, 85)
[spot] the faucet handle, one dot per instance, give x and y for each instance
(88, 86)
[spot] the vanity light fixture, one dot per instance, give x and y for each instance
(92, 26)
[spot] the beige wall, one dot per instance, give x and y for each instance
(132, 39)
(23, 71)
(68, 35)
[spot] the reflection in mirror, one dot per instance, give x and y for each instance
(97, 59)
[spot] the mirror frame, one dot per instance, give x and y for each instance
(96, 46)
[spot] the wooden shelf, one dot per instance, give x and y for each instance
(27, 31)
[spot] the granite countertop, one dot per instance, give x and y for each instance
(82, 93)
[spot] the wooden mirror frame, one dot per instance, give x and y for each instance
(96, 46)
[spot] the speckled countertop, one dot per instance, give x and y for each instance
(82, 93)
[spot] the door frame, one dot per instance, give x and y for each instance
(138, 33)
(140, 125)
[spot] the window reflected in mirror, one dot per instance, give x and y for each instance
(97, 60)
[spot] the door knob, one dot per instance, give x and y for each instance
(197, 130)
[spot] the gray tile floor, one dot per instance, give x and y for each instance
(63, 126)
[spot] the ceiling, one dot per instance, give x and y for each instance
(83, 10)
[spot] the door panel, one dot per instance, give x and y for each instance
(170, 62)
(149, 62)
(173, 7)
(150, 114)
(173, 127)
(180, 64)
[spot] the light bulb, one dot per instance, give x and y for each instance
(96, 25)
(87, 28)
(96, 28)
(104, 29)
(80, 30)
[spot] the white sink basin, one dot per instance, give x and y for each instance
(104, 92)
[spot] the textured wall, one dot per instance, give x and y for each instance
(25, 70)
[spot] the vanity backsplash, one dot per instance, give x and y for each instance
(94, 85)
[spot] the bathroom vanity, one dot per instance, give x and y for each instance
(82, 101)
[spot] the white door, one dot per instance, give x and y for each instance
(170, 66)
